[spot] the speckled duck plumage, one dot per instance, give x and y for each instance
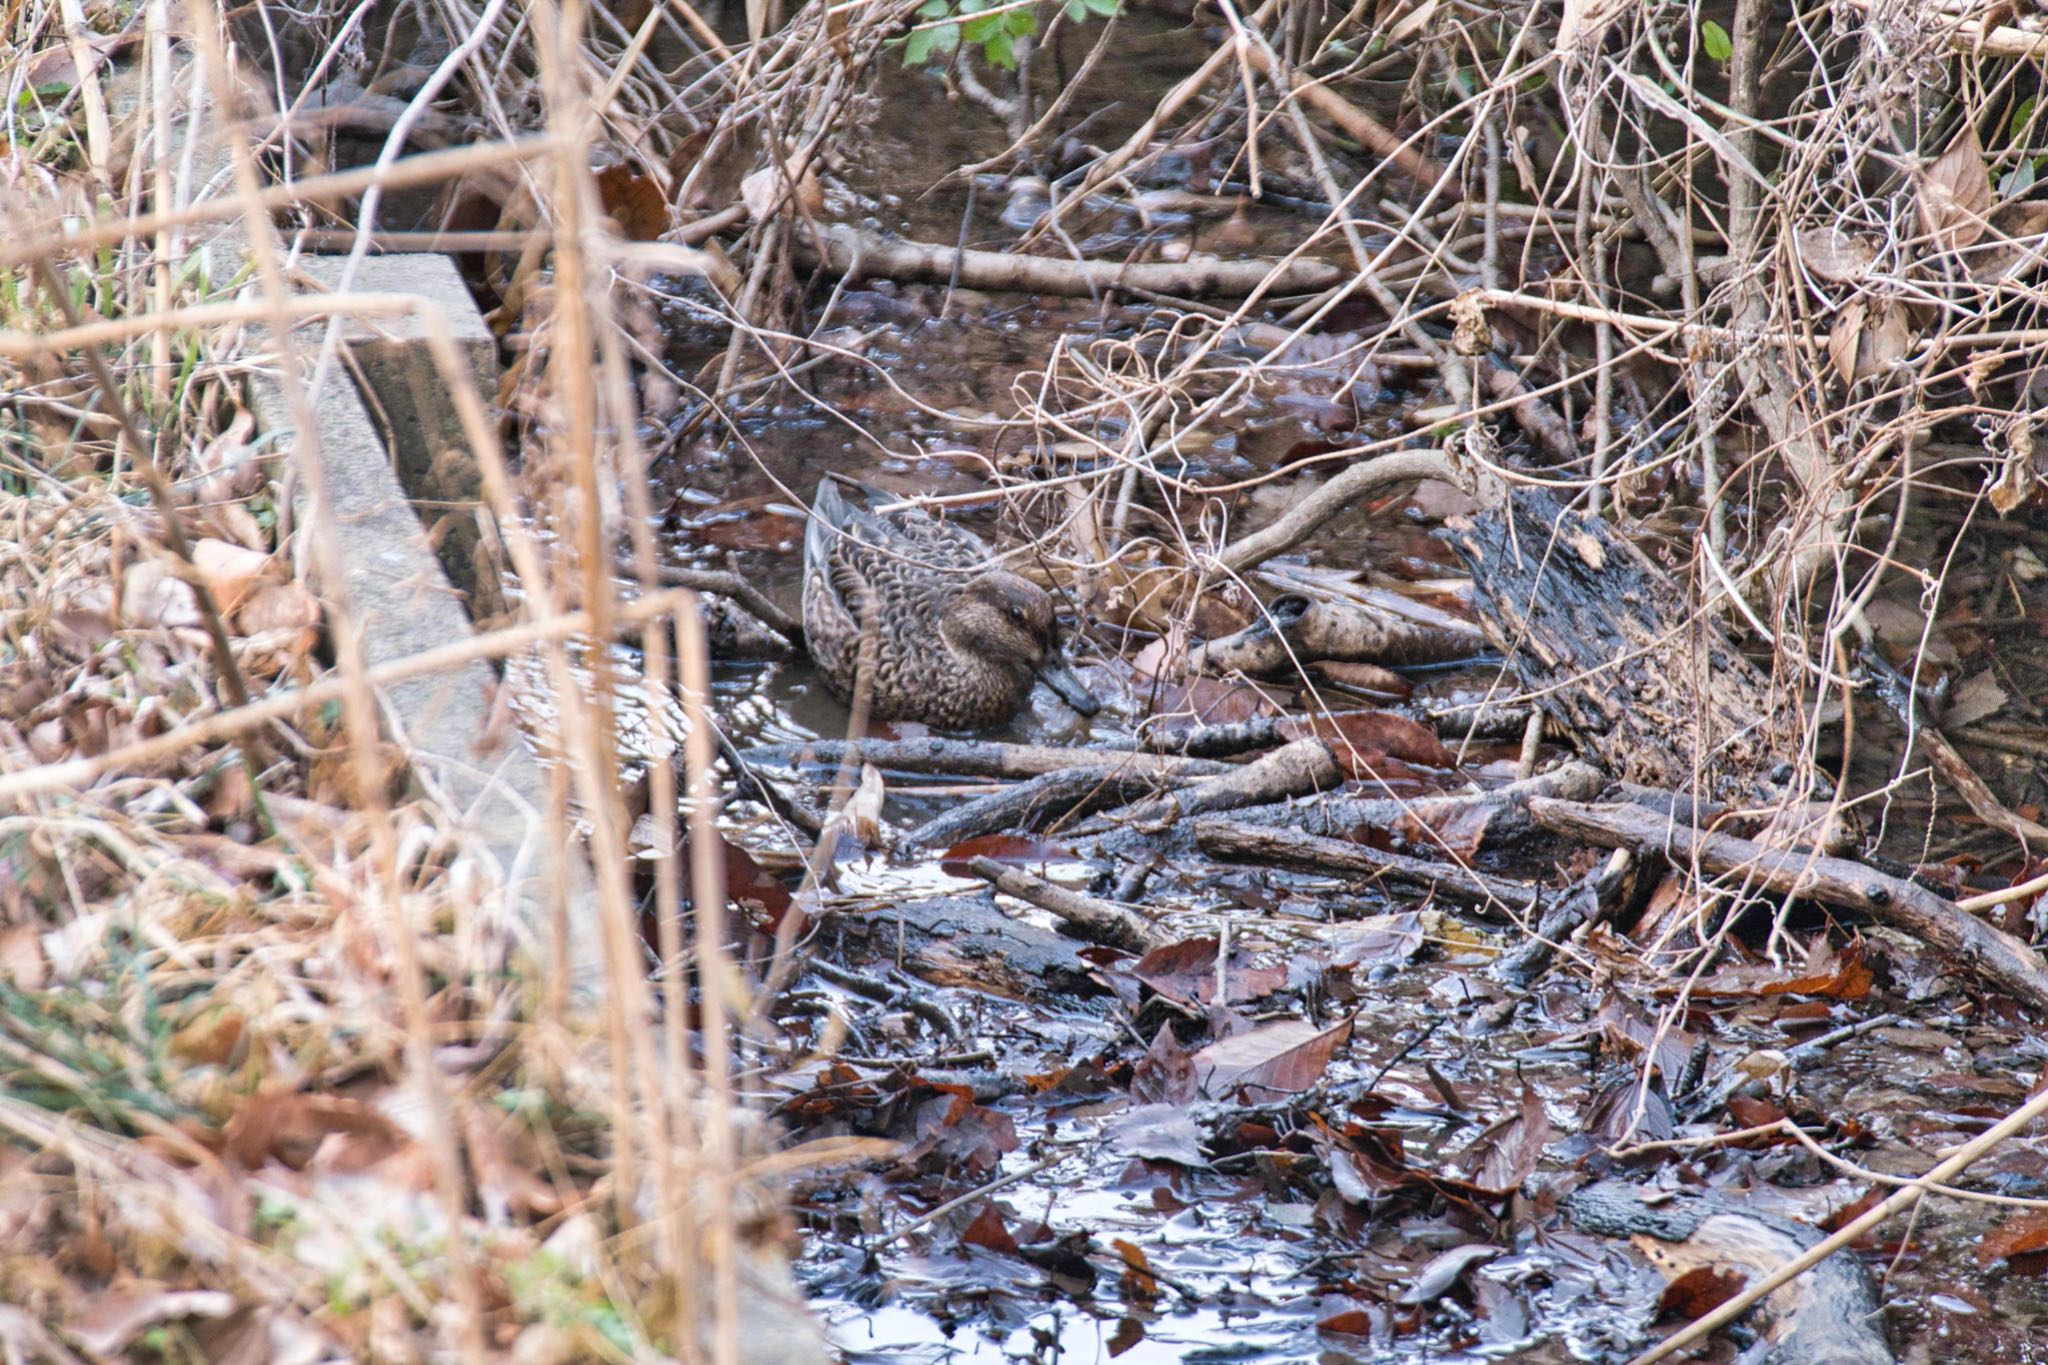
(958, 641)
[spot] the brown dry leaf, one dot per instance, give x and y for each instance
(112, 1319)
(290, 1128)
(152, 595)
(504, 1156)
(635, 202)
(2015, 243)
(286, 609)
(21, 957)
(229, 571)
(1286, 1058)
(2023, 1234)
(765, 190)
(1955, 193)
(1866, 340)
(1834, 255)
(1978, 698)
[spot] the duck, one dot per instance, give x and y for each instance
(959, 641)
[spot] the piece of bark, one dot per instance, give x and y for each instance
(853, 254)
(1975, 947)
(1023, 806)
(1306, 765)
(1293, 631)
(1646, 685)
(1093, 918)
(964, 941)
(982, 758)
(1828, 1316)
(1225, 838)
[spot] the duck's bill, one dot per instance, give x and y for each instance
(1055, 674)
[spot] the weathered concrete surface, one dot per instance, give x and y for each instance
(411, 405)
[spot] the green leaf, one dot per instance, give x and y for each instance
(1716, 41)
(2021, 117)
(1077, 11)
(2018, 180)
(934, 9)
(983, 28)
(1001, 50)
(1105, 8)
(1022, 23)
(920, 45)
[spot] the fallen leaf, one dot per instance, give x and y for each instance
(635, 202)
(1017, 850)
(1358, 735)
(1834, 255)
(1159, 1132)
(1505, 1154)
(1444, 1271)
(1979, 697)
(111, 1320)
(1955, 192)
(988, 1231)
(1285, 1057)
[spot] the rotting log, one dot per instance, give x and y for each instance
(1293, 631)
(1828, 1316)
(1646, 685)
(1224, 838)
(1974, 946)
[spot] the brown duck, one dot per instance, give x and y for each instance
(958, 641)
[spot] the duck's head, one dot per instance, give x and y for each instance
(1008, 621)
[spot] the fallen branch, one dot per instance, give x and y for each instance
(1339, 495)
(1097, 919)
(856, 255)
(1022, 806)
(982, 758)
(1234, 839)
(1987, 953)
(1306, 765)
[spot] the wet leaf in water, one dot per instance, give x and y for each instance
(1634, 1032)
(748, 885)
(1166, 1072)
(1378, 938)
(1613, 1116)
(1137, 1281)
(1284, 1058)
(1159, 1132)
(1505, 1155)
(1018, 850)
(1444, 1271)
(989, 1231)
(1836, 975)
(1186, 972)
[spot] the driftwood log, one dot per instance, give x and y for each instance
(1987, 953)
(1828, 1316)
(1645, 682)
(1293, 631)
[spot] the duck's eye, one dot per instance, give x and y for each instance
(1016, 613)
